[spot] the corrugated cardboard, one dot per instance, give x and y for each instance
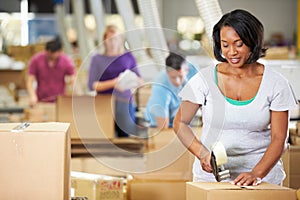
(42, 112)
(156, 187)
(295, 140)
(286, 165)
(35, 162)
(112, 166)
(227, 191)
(294, 168)
(97, 187)
(17, 77)
(90, 116)
(167, 154)
(291, 163)
(142, 95)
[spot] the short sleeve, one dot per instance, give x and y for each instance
(195, 90)
(70, 66)
(32, 66)
(159, 104)
(283, 97)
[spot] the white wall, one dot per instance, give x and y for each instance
(276, 15)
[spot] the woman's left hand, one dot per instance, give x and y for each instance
(247, 178)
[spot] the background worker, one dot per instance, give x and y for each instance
(105, 71)
(51, 70)
(164, 101)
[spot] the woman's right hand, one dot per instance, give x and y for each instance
(205, 158)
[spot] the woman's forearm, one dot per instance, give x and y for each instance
(270, 158)
(104, 85)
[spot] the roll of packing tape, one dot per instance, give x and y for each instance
(220, 153)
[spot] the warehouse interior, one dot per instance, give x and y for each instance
(68, 149)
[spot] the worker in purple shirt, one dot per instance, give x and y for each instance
(104, 76)
(51, 70)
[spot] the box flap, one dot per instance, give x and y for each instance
(35, 127)
(229, 186)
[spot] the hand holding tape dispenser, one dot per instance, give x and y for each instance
(218, 160)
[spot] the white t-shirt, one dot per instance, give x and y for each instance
(244, 130)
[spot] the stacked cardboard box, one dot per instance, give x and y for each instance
(159, 173)
(168, 168)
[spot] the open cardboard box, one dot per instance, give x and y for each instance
(228, 191)
(35, 161)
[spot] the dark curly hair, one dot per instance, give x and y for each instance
(248, 27)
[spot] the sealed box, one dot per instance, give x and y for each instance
(227, 191)
(97, 187)
(89, 116)
(35, 161)
(156, 186)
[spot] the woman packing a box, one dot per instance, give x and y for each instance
(245, 106)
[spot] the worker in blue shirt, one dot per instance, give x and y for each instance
(164, 101)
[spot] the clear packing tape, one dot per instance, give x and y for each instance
(218, 160)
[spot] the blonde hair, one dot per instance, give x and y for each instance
(114, 30)
(110, 29)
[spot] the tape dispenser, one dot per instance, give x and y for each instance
(218, 159)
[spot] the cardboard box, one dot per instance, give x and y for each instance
(35, 161)
(142, 95)
(112, 166)
(90, 116)
(158, 187)
(41, 112)
(224, 191)
(286, 165)
(97, 187)
(298, 128)
(294, 168)
(17, 77)
(167, 154)
(295, 139)
(22, 53)
(277, 53)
